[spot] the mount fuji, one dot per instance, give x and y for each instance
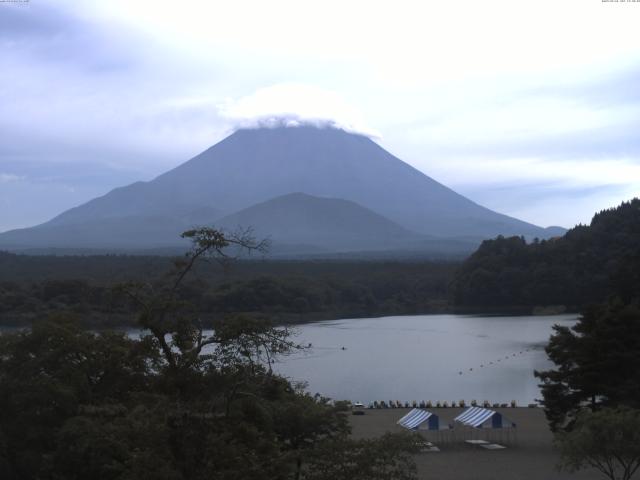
(321, 189)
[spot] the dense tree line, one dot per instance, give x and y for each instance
(586, 265)
(175, 403)
(591, 396)
(288, 291)
(108, 269)
(596, 362)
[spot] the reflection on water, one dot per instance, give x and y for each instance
(426, 357)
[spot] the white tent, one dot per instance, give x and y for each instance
(418, 419)
(478, 417)
(427, 424)
(494, 425)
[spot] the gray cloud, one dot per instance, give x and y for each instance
(51, 35)
(532, 200)
(615, 97)
(22, 22)
(87, 105)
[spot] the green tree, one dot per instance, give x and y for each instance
(389, 458)
(173, 322)
(304, 421)
(586, 265)
(174, 404)
(49, 374)
(596, 363)
(607, 440)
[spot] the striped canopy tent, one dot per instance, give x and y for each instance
(418, 419)
(478, 417)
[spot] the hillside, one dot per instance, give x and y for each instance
(145, 232)
(585, 266)
(333, 224)
(253, 166)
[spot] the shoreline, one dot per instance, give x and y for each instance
(98, 320)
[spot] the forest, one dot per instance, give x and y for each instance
(585, 266)
(288, 291)
(176, 403)
(505, 275)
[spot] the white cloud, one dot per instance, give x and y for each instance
(521, 119)
(543, 191)
(573, 173)
(10, 177)
(472, 93)
(294, 104)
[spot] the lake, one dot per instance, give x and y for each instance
(424, 357)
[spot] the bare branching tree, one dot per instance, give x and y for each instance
(174, 323)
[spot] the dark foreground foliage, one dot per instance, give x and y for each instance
(173, 403)
(607, 440)
(592, 395)
(586, 265)
(596, 363)
(78, 405)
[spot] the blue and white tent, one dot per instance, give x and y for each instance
(418, 419)
(478, 417)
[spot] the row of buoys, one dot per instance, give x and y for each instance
(438, 404)
(494, 362)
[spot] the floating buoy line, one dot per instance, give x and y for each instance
(494, 362)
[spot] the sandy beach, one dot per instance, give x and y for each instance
(531, 457)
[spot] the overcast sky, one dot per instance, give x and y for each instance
(531, 108)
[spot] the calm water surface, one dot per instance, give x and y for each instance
(425, 357)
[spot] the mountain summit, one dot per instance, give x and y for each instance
(253, 166)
